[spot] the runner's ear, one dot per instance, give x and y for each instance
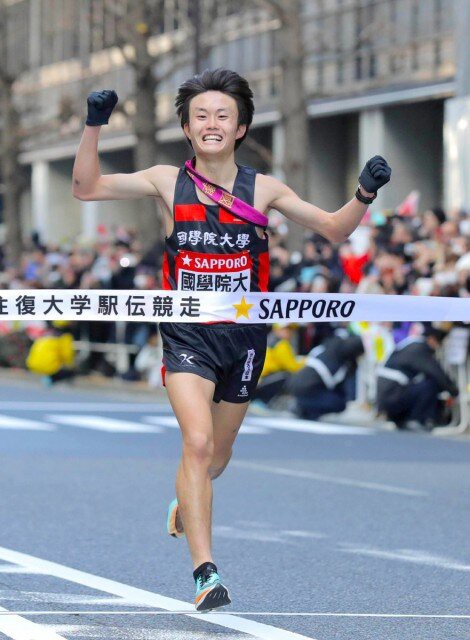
(241, 130)
(186, 130)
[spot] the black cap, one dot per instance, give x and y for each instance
(430, 331)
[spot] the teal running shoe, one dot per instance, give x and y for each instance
(174, 526)
(210, 592)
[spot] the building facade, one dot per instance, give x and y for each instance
(380, 78)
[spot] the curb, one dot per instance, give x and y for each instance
(92, 383)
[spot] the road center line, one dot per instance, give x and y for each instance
(348, 482)
(414, 556)
(145, 598)
(14, 626)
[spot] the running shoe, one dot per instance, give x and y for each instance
(174, 526)
(210, 592)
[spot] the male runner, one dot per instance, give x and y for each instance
(211, 369)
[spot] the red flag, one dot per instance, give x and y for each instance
(409, 206)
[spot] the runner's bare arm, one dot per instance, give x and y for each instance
(90, 184)
(335, 227)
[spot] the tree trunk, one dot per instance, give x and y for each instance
(292, 105)
(12, 175)
(145, 150)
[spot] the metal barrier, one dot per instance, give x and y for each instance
(119, 352)
(454, 358)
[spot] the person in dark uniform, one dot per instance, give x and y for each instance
(211, 369)
(409, 383)
(326, 382)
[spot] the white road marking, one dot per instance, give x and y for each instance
(16, 627)
(304, 534)
(309, 475)
(83, 407)
(10, 422)
(146, 633)
(9, 568)
(100, 423)
(63, 598)
(172, 423)
(236, 533)
(252, 424)
(246, 530)
(133, 594)
(308, 426)
(408, 555)
(265, 614)
(164, 421)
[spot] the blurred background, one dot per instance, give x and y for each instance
(335, 82)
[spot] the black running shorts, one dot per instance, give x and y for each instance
(231, 355)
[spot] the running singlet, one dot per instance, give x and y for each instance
(210, 249)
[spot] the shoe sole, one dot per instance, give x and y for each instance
(171, 520)
(214, 599)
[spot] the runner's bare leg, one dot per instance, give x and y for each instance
(191, 399)
(227, 418)
(209, 430)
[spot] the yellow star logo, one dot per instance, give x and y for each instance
(242, 308)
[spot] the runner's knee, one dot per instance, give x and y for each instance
(198, 446)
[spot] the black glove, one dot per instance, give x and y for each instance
(375, 174)
(100, 107)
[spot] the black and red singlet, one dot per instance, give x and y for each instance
(210, 249)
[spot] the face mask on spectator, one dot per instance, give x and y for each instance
(464, 228)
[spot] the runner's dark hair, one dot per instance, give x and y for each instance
(222, 80)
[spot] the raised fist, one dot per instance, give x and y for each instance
(375, 174)
(100, 107)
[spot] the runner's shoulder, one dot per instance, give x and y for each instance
(268, 188)
(265, 181)
(163, 176)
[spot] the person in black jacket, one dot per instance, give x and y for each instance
(411, 380)
(326, 382)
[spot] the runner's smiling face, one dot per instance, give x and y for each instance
(213, 123)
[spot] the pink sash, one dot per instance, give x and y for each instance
(225, 199)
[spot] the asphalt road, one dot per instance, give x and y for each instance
(320, 531)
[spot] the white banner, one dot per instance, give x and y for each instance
(184, 306)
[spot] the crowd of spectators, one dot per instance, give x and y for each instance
(115, 260)
(423, 254)
(392, 253)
